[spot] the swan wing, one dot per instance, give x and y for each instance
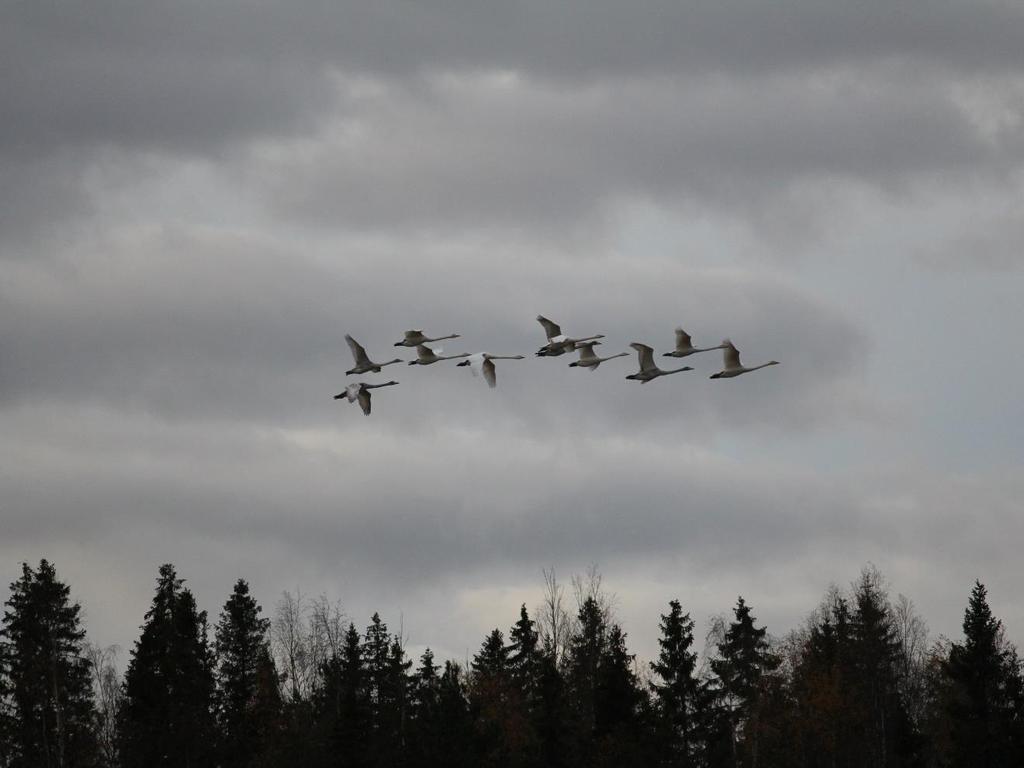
(351, 392)
(490, 375)
(357, 351)
(587, 351)
(551, 329)
(364, 400)
(730, 355)
(683, 341)
(414, 337)
(424, 353)
(646, 356)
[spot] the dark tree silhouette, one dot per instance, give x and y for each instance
(167, 717)
(248, 702)
(984, 705)
(744, 659)
(678, 692)
(47, 718)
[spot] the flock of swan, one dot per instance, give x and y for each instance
(557, 344)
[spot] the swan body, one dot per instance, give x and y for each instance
(588, 359)
(361, 392)
(733, 367)
(559, 343)
(415, 337)
(363, 363)
(648, 370)
(684, 346)
(482, 362)
(427, 356)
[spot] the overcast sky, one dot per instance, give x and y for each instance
(199, 199)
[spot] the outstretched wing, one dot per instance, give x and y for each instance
(357, 351)
(683, 341)
(490, 375)
(424, 353)
(414, 337)
(551, 330)
(646, 356)
(586, 350)
(731, 355)
(364, 400)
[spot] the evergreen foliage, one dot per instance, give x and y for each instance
(248, 700)
(853, 688)
(168, 716)
(46, 712)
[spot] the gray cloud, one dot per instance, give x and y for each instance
(198, 202)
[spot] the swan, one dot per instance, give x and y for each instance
(732, 363)
(685, 348)
(588, 359)
(363, 363)
(484, 362)
(559, 343)
(415, 337)
(361, 392)
(648, 370)
(426, 356)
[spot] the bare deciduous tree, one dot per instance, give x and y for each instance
(289, 638)
(553, 620)
(107, 689)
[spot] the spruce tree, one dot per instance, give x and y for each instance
(499, 720)
(167, 717)
(677, 693)
(743, 659)
(885, 734)
(984, 677)
(341, 705)
(48, 718)
(456, 737)
(387, 691)
(524, 658)
(248, 700)
(425, 725)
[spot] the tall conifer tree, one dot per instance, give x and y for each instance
(677, 693)
(248, 700)
(985, 678)
(167, 717)
(49, 718)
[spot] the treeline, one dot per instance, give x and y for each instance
(859, 684)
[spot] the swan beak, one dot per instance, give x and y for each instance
(463, 363)
(339, 397)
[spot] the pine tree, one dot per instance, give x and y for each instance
(677, 693)
(248, 700)
(984, 678)
(167, 717)
(50, 715)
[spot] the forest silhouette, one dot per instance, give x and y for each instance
(859, 683)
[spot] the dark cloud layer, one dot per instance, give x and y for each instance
(198, 200)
